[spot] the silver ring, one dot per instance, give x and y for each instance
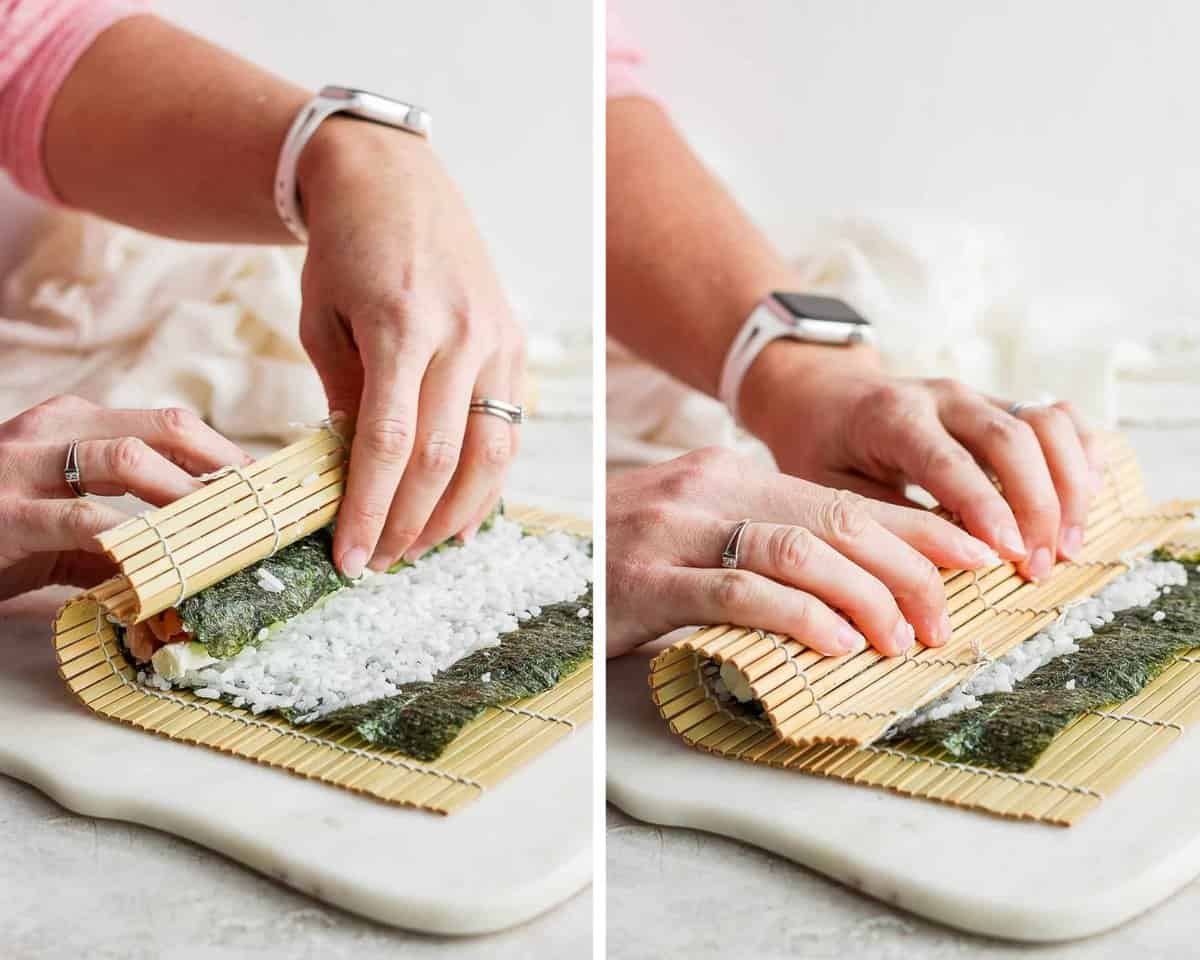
(514, 413)
(1014, 409)
(71, 470)
(729, 556)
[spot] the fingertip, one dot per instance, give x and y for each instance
(847, 641)
(1070, 542)
(352, 561)
(1039, 566)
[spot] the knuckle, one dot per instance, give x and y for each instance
(388, 439)
(629, 577)
(942, 461)
(930, 588)
(646, 519)
(1067, 408)
(176, 420)
(954, 389)
(733, 590)
(789, 548)
(1008, 431)
(126, 456)
(495, 450)
(691, 475)
(65, 403)
(80, 514)
(388, 309)
(47, 414)
(439, 455)
(845, 516)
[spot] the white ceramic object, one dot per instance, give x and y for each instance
(522, 848)
(1016, 880)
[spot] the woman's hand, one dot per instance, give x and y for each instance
(810, 551)
(49, 534)
(834, 417)
(406, 322)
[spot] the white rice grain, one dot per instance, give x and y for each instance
(369, 639)
(1139, 587)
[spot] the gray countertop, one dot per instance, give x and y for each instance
(676, 892)
(78, 888)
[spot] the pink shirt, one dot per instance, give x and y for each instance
(40, 41)
(624, 60)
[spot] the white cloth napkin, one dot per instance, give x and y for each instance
(130, 320)
(946, 299)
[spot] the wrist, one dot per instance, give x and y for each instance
(790, 380)
(345, 149)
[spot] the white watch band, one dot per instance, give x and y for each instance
(331, 100)
(760, 328)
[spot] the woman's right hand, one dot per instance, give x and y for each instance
(809, 552)
(49, 533)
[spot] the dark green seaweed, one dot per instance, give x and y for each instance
(426, 716)
(228, 616)
(1010, 730)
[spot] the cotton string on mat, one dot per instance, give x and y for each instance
(241, 516)
(824, 715)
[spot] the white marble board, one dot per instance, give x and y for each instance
(522, 848)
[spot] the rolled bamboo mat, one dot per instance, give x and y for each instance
(485, 752)
(242, 515)
(822, 714)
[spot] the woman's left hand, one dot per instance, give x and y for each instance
(832, 416)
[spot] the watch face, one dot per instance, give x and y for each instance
(819, 308)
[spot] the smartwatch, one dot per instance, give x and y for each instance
(331, 100)
(796, 316)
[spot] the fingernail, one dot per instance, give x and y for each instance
(379, 564)
(415, 553)
(982, 555)
(850, 640)
(1071, 541)
(1010, 541)
(1097, 480)
(903, 636)
(353, 561)
(1040, 564)
(943, 630)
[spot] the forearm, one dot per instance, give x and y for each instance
(685, 264)
(159, 129)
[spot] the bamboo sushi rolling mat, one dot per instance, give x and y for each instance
(823, 714)
(243, 515)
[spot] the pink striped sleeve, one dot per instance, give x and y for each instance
(40, 41)
(624, 60)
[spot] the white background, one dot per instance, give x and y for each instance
(1070, 125)
(510, 88)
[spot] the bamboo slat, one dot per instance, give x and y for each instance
(92, 662)
(822, 715)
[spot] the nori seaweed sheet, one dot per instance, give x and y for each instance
(1010, 730)
(227, 616)
(426, 716)
(423, 719)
